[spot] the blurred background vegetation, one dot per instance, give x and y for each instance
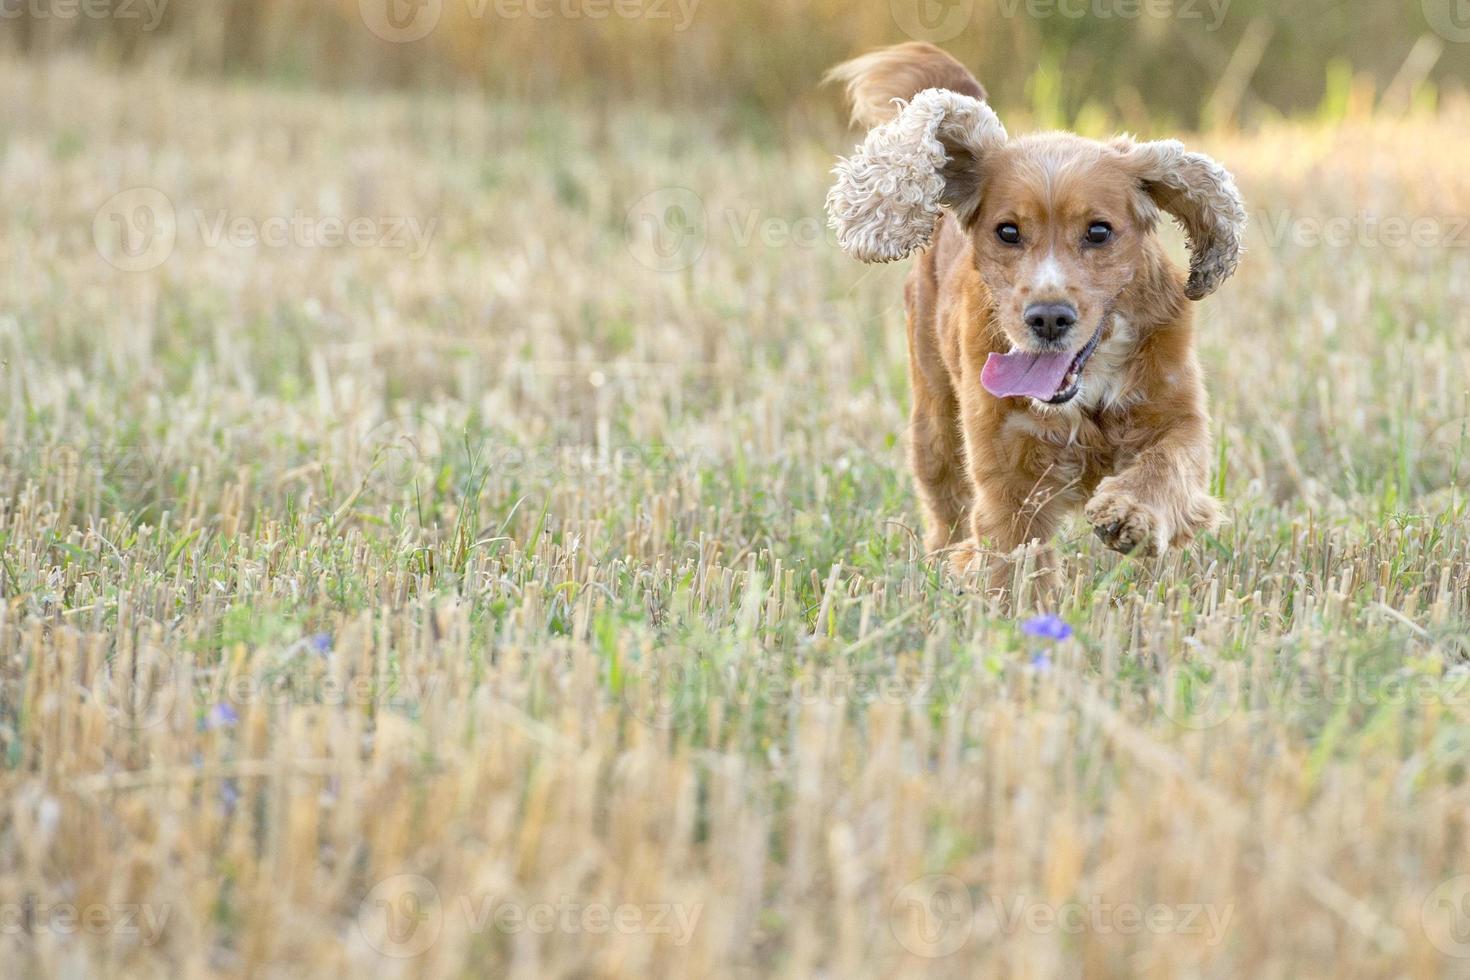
(1089, 64)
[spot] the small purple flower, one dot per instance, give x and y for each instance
(1040, 662)
(322, 643)
(1047, 626)
(222, 715)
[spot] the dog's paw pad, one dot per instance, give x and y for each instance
(1124, 524)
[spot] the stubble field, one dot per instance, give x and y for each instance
(457, 539)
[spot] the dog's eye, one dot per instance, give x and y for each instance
(1099, 233)
(1008, 233)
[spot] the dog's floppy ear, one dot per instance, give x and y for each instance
(887, 195)
(1202, 197)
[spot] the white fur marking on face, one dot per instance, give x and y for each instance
(1049, 275)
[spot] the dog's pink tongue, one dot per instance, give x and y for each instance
(1023, 373)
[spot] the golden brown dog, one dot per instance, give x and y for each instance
(1051, 348)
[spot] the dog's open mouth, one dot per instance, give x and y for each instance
(1053, 377)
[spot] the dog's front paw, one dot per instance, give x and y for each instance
(1125, 523)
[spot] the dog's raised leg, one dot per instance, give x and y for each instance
(1160, 498)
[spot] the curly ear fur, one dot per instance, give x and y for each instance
(1202, 197)
(886, 199)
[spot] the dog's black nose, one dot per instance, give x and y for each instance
(1051, 321)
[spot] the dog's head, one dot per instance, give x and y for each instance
(1059, 223)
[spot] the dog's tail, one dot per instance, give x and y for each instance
(902, 71)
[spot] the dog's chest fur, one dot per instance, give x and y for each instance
(1074, 449)
(1079, 443)
(1105, 384)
